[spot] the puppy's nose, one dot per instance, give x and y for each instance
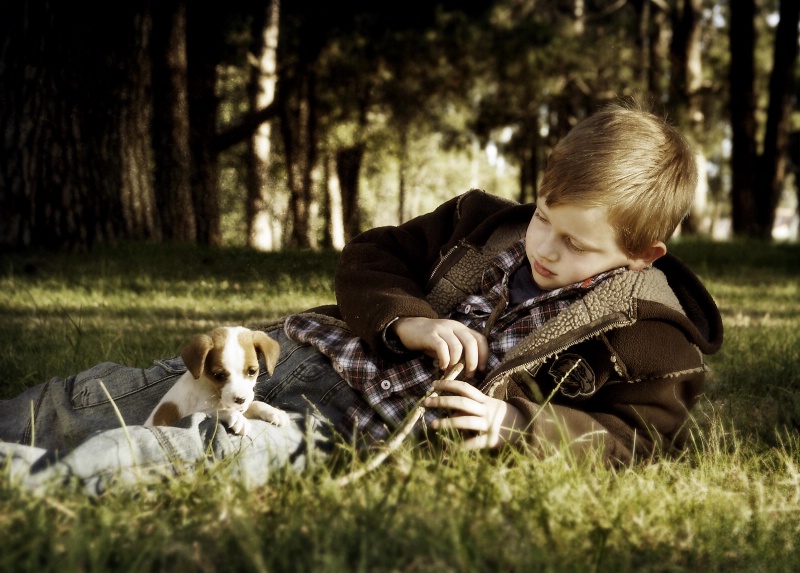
(239, 400)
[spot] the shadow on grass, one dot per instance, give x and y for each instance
(171, 263)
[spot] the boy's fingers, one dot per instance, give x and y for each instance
(462, 424)
(440, 350)
(472, 352)
(460, 403)
(461, 388)
(479, 442)
(449, 349)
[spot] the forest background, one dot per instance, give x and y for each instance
(297, 124)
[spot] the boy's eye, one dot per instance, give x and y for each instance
(539, 216)
(572, 246)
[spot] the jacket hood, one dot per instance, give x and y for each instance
(703, 323)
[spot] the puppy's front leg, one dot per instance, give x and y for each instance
(263, 411)
(233, 420)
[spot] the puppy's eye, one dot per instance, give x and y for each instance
(222, 376)
(252, 372)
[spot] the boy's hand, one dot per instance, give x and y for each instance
(446, 340)
(496, 422)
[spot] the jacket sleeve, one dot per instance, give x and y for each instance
(603, 402)
(383, 273)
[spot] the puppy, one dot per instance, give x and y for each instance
(222, 370)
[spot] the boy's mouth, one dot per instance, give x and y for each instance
(542, 270)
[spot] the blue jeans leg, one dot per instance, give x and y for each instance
(62, 413)
(77, 435)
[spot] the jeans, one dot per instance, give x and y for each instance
(67, 430)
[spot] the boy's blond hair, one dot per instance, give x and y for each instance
(633, 163)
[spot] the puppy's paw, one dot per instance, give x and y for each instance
(279, 418)
(263, 411)
(234, 421)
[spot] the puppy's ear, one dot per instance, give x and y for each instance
(268, 348)
(194, 354)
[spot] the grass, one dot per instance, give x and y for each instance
(731, 504)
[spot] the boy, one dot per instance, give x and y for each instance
(575, 327)
(553, 313)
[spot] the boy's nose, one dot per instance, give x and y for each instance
(547, 250)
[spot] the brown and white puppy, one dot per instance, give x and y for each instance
(222, 371)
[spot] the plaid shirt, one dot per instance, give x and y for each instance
(391, 389)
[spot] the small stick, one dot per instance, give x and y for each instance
(453, 372)
(402, 433)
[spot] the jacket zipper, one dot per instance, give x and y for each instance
(442, 260)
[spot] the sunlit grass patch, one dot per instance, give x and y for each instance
(64, 313)
(730, 503)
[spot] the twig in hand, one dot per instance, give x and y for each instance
(402, 433)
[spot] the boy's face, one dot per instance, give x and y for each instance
(569, 243)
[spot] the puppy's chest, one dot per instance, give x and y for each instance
(196, 395)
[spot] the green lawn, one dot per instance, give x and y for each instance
(731, 504)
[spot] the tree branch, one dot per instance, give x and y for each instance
(244, 129)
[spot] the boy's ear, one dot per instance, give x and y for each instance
(646, 257)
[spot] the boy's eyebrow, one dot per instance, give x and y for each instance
(580, 242)
(583, 243)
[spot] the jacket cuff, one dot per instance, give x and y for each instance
(391, 341)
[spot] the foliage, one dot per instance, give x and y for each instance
(424, 89)
(732, 503)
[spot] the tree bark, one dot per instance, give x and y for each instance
(334, 230)
(171, 116)
(348, 167)
(643, 42)
(686, 83)
(203, 45)
(743, 120)
(298, 130)
(402, 170)
(141, 216)
(772, 165)
(261, 220)
(75, 161)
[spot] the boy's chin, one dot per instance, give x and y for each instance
(545, 283)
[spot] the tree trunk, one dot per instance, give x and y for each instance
(203, 45)
(73, 145)
(743, 120)
(261, 220)
(334, 230)
(686, 82)
(536, 145)
(348, 168)
(772, 166)
(643, 42)
(298, 130)
(171, 121)
(660, 34)
(402, 170)
(142, 220)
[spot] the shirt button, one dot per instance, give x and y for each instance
(338, 367)
(385, 384)
(468, 309)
